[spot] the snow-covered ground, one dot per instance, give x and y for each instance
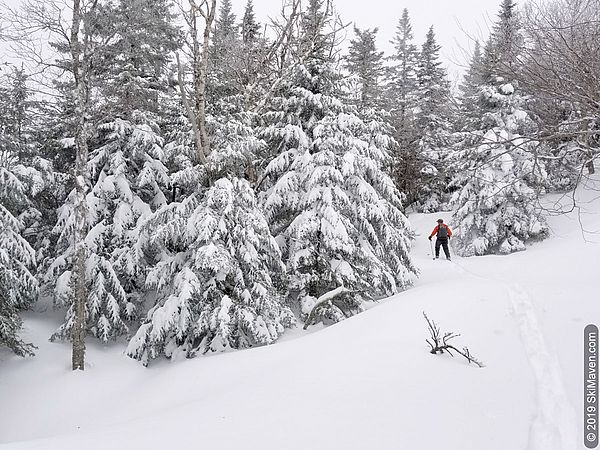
(366, 383)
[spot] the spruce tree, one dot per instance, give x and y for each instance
(366, 64)
(433, 87)
(335, 213)
(218, 278)
(225, 58)
(434, 128)
(249, 27)
(499, 178)
(402, 98)
(215, 271)
(403, 75)
(252, 47)
(507, 36)
(18, 286)
(469, 89)
(128, 176)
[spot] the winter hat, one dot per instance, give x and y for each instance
(440, 221)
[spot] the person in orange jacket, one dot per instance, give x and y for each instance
(443, 234)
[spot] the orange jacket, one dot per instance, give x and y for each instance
(435, 230)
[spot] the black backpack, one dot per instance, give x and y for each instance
(442, 232)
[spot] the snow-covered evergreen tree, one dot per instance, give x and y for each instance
(225, 57)
(499, 176)
(507, 37)
(219, 279)
(179, 148)
(469, 89)
(18, 183)
(249, 27)
(216, 275)
(403, 75)
(216, 260)
(14, 103)
(433, 87)
(366, 64)
(334, 211)
(18, 286)
(22, 141)
(402, 95)
(368, 91)
(434, 128)
(252, 46)
(234, 138)
(129, 177)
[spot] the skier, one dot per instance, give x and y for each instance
(443, 233)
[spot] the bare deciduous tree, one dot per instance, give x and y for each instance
(68, 29)
(198, 45)
(560, 66)
(80, 63)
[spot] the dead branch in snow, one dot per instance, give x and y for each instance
(439, 343)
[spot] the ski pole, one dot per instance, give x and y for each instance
(431, 246)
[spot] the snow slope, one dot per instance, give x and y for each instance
(366, 383)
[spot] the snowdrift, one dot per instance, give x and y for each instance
(366, 383)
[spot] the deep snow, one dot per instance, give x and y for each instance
(366, 383)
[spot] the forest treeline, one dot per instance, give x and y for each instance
(186, 181)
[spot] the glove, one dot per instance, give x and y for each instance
(429, 238)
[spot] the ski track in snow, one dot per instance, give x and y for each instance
(554, 425)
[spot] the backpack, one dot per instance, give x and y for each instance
(442, 232)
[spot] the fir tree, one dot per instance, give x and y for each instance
(403, 76)
(335, 213)
(496, 205)
(19, 182)
(225, 56)
(135, 63)
(18, 286)
(366, 64)
(219, 281)
(434, 128)
(22, 156)
(433, 87)
(499, 178)
(252, 47)
(315, 42)
(14, 121)
(506, 35)
(402, 103)
(249, 27)
(129, 177)
(215, 270)
(469, 88)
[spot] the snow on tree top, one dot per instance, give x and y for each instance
(507, 89)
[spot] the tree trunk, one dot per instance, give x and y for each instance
(81, 179)
(200, 155)
(590, 167)
(200, 62)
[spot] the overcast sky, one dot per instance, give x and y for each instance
(451, 19)
(455, 22)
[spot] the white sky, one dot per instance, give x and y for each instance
(456, 22)
(448, 17)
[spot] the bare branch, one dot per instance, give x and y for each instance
(440, 343)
